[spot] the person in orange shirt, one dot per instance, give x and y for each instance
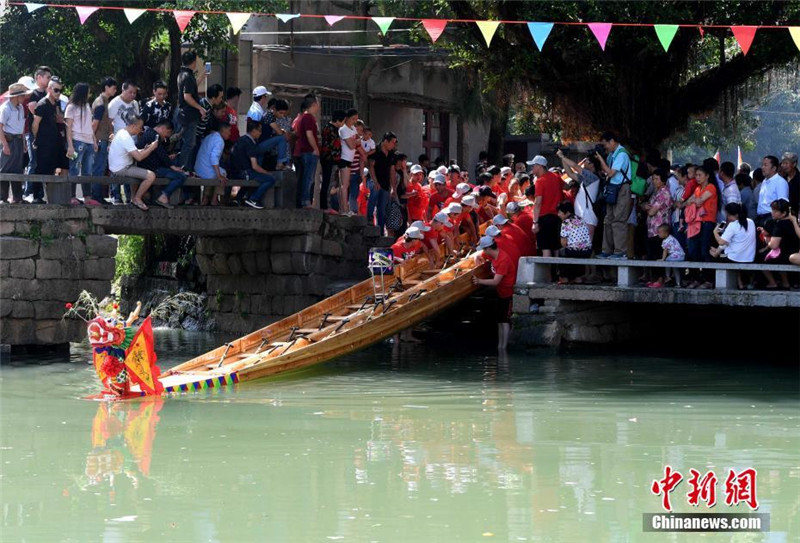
(504, 275)
(705, 201)
(438, 195)
(417, 201)
(408, 245)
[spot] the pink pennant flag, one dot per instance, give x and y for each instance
(333, 19)
(702, 31)
(84, 12)
(744, 35)
(183, 18)
(435, 27)
(718, 157)
(601, 32)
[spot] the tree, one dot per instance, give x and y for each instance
(633, 87)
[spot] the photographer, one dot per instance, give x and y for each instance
(585, 172)
(617, 168)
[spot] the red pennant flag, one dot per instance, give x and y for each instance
(183, 18)
(744, 35)
(702, 31)
(140, 360)
(435, 27)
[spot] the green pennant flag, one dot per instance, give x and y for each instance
(665, 34)
(383, 23)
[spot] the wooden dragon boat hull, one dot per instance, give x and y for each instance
(340, 324)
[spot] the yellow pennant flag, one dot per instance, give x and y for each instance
(237, 20)
(794, 31)
(488, 28)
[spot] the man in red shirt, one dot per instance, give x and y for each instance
(514, 234)
(522, 217)
(435, 234)
(460, 191)
(408, 245)
(417, 201)
(546, 224)
(504, 271)
(504, 242)
(306, 149)
(438, 196)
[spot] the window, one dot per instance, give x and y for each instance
(436, 134)
(328, 105)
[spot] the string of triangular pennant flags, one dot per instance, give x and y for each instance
(540, 31)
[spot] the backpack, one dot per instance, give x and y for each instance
(638, 184)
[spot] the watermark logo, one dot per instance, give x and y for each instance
(739, 488)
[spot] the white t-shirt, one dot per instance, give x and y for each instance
(118, 152)
(369, 145)
(81, 123)
(345, 132)
(741, 245)
(117, 109)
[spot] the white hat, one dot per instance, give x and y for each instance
(485, 242)
(499, 220)
(469, 200)
(414, 233)
(442, 218)
(432, 174)
(416, 168)
(538, 159)
(512, 207)
(421, 226)
(505, 170)
(492, 231)
(453, 207)
(440, 179)
(260, 91)
(525, 203)
(442, 170)
(28, 81)
(461, 188)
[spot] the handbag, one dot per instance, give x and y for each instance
(394, 215)
(611, 192)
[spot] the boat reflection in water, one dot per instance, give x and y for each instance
(122, 438)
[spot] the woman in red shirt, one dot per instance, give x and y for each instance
(705, 200)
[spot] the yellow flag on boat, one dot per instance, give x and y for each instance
(140, 359)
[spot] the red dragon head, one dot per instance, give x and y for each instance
(105, 332)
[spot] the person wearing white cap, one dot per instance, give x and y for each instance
(522, 217)
(436, 234)
(469, 204)
(504, 275)
(515, 235)
(12, 129)
(408, 245)
(442, 170)
(549, 193)
(461, 190)
(259, 106)
(417, 201)
(439, 195)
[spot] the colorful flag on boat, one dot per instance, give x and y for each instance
(140, 359)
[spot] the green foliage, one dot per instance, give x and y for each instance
(130, 256)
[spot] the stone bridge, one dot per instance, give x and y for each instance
(260, 265)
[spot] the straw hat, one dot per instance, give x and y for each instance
(18, 89)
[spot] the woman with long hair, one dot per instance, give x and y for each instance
(81, 143)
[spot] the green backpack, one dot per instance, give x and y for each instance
(638, 184)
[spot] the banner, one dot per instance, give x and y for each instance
(140, 359)
(84, 12)
(132, 14)
(238, 20)
(435, 27)
(488, 28)
(666, 33)
(601, 32)
(333, 19)
(744, 36)
(183, 18)
(540, 32)
(286, 17)
(794, 32)
(383, 23)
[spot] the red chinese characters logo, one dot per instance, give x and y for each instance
(739, 487)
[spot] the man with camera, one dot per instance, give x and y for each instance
(617, 168)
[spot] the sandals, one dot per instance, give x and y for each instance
(140, 205)
(166, 204)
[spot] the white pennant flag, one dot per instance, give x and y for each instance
(132, 14)
(238, 20)
(286, 17)
(30, 6)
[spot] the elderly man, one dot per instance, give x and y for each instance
(123, 152)
(12, 128)
(792, 175)
(619, 173)
(118, 110)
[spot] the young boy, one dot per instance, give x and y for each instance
(672, 252)
(408, 245)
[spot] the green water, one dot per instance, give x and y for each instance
(395, 446)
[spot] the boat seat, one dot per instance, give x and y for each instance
(337, 318)
(306, 330)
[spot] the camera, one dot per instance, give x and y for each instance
(721, 226)
(598, 149)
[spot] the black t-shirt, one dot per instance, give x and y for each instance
(383, 165)
(48, 129)
(187, 84)
(158, 158)
(243, 150)
(401, 187)
(34, 99)
(784, 229)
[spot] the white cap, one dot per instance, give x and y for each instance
(453, 207)
(538, 159)
(461, 188)
(432, 174)
(499, 220)
(485, 242)
(28, 82)
(505, 170)
(512, 207)
(421, 226)
(442, 170)
(525, 203)
(440, 179)
(492, 231)
(416, 168)
(469, 200)
(442, 218)
(413, 233)
(260, 91)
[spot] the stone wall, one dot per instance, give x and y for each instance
(253, 280)
(47, 256)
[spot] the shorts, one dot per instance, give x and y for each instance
(503, 309)
(342, 163)
(549, 235)
(132, 171)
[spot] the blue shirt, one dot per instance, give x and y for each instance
(208, 156)
(619, 162)
(256, 112)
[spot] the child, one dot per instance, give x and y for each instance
(363, 196)
(408, 245)
(672, 252)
